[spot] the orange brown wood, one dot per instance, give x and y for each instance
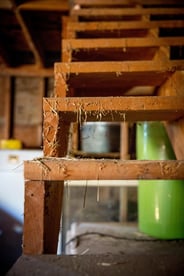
(5, 107)
(43, 201)
(102, 169)
(112, 109)
(126, 11)
(117, 29)
(117, 76)
(175, 129)
(93, 90)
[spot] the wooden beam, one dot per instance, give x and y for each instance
(116, 67)
(45, 5)
(115, 108)
(112, 75)
(33, 232)
(116, 48)
(54, 131)
(74, 44)
(126, 11)
(42, 214)
(124, 155)
(5, 110)
(27, 71)
(7, 5)
(96, 26)
(36, 50)
(90, 169)
(175, 86)
(102, 2)
(126, 2)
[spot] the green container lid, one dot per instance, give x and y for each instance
(160, 202)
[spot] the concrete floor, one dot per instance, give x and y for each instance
(98, 244)
(108, 251)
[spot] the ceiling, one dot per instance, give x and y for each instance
(30, 33)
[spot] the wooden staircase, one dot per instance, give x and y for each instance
(117, 65)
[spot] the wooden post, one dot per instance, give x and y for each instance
(42, 213)
(5, 106)
(123, 155)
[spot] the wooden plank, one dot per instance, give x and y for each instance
(126, 11)
(116, 67)
(95, 26)
(5, 108)
(174, 86)
(102, 169)
(6, 4)
(114, 108)
(42, 213)
(54, 131)
(45, 5)
(115, 49)
(102, 2)
(33, 232)
(126, 2)
(75, 44)
(53, 197)
(27, 71)
(124, 155)
(111, 75)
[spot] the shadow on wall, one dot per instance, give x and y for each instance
(10, 241)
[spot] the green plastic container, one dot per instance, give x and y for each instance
(160, 202)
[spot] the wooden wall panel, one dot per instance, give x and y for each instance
(29, 93)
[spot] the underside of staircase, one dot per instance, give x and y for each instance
(118, 64)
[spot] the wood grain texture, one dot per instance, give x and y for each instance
(113, 109)
(91, 169)
(42, 214)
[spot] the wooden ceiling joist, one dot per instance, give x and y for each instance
(27, 70)
(38, 55)
(45, 5)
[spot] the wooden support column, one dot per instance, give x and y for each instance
(43, 201)
(174, 86)
(55, 134)
(123, 210)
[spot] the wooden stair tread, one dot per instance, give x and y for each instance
(143, 108)
(101, 169)
(126, 11)
(85, 26)
(116, 49)
(114, 73)
(126, 2)
(118, 29)
(121, 42)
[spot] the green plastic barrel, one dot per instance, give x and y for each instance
(160, 202)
